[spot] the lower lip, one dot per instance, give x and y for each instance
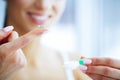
(36, 21)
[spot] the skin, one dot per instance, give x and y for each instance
(21, 10)
(19, 13)
(11, 55)
(104, 69)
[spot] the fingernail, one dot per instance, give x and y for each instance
(15, 35)
(84, 68)
(87, 61)
(8, 28)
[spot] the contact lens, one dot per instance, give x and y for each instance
(41, 26)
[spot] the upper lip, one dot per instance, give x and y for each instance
(38, 13)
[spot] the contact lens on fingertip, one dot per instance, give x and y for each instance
(41, 26)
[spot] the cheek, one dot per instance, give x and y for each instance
(19, 3)
(16, 7)
(17, 10)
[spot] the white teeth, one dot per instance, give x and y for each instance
(39, 17)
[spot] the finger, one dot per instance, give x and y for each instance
(106, 62)
(98, 77)
(17, 60)
(4, 33)
(105, 71)
(13, 64)
(23, 40)
(13, 36)
(19, 52)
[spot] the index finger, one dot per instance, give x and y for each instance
(106, 62)
(23, 40)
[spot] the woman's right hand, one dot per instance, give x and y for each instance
(11, 56)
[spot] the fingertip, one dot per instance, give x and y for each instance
(82, 57)
(88, 61)
(83, 68)
(8, 28)
(14, 35)
(39, 31)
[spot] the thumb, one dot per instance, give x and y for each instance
(13, 36)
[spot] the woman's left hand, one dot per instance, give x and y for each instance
(104, 69)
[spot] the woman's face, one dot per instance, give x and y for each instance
(25, 15)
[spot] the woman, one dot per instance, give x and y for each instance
(42, 63)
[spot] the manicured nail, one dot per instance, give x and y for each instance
(82, 67)
(87, 61)
(8, 28)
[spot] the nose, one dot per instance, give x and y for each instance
(43, 4)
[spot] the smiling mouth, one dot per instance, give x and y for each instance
(39, 18)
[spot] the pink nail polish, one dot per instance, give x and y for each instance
(87, 61)
(84, 68)
(8, 28)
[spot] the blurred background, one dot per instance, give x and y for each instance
(87, 27)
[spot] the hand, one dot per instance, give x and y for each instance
(104, 69)
(11, 56)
